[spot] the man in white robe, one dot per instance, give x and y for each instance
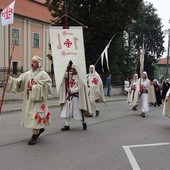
(95, 85)
(37, 87)
(74, 99)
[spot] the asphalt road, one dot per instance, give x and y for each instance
(119, 139)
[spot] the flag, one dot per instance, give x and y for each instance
(105, 54)
(142, 52)
(66, 45)
(7, 15)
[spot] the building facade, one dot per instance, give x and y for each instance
(163, 69)
(28, 34)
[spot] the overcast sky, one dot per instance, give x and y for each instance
(163, 11)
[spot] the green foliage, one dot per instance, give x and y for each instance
(147, 30)
(106, 18)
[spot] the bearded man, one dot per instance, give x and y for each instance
(37, 88)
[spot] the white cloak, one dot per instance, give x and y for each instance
(82, 102)
(166, 106)
(95, 85)
(35, 112)
(145, 98)
(134, 93)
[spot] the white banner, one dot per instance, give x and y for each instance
(7, 15)
(67, 44)
(142, 58)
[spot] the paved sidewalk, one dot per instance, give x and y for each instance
(13, 102)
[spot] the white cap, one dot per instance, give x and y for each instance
(38, 59)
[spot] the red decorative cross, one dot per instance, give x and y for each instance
(7, 13)
(33, 82)
(72, 82)
(68, 43)
(43, 107)
(95, 81)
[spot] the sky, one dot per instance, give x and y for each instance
(163, 11)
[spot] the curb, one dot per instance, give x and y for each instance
(51, 105)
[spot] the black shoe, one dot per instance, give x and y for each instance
(41, 131)
(97, 112)
(33, 140)
(134, 108)
(90, 115)
(65, 128)
(143, 114)
(84, 126)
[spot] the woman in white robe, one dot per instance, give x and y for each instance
(37, 87)
(133, 93)
(144, 92)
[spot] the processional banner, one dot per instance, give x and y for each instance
(67, 44)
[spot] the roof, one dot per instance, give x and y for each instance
(163, 61)
(31, 9)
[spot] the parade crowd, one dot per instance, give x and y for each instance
(78, 99)
(143, 93)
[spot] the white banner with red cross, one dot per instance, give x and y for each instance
(7, 15)
(66, 45)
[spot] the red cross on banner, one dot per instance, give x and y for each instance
(7, 15)
(68, 43)
(95, 81)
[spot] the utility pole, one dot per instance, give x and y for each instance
(167, 65)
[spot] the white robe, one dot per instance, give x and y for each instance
(35, 112)
(134, 93)
(76, 105)
(152, 96)
(126, 86)
(145, 96)
(71, 106)
(166, 106)
(95, 85)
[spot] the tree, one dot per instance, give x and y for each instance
(147, 29)
(104, 19)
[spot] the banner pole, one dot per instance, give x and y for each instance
(6, 79)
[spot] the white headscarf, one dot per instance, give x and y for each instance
(38, 59)
(93, 67)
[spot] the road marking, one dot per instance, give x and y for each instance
(131, 157)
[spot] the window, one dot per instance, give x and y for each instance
(15, 67)
(15, 36)
(36, 39)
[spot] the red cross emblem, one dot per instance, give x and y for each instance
(43, 107)
(72, 82)
(68, 43)
(6, 14)
(95, 81)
